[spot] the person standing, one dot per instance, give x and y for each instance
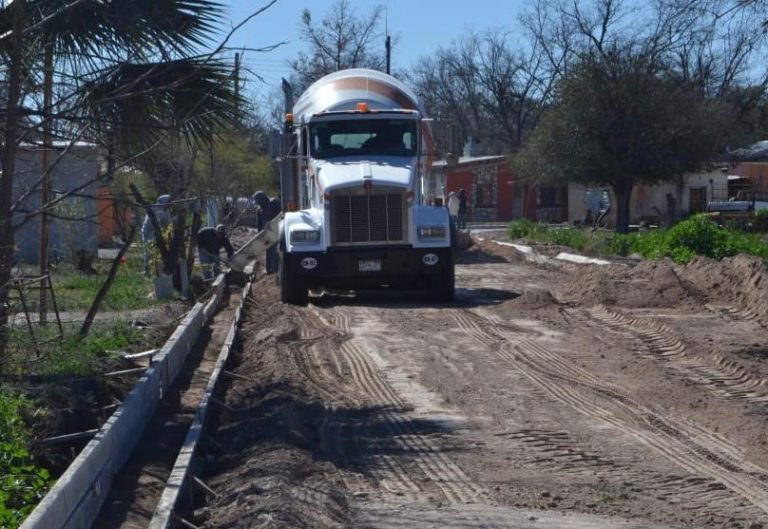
(163, 217)
(453, 206)
(462, 213)
(210, 242)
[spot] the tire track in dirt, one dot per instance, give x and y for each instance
(339, 438)
(722, 376)
(438, 468)
(733, 313)
(558, 450)
(387, 470)
(695, 450)
(429, 460)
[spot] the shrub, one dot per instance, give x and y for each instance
(22, 484)
(523, 229)
(697, 235)
(701, 236)
(573, 238)
(761, 220)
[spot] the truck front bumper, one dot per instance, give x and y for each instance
(369, 267)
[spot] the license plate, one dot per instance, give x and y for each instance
(369, 265)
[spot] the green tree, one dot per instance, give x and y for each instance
(233, 168)
(620, 118)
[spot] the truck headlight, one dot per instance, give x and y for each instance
(305, 236)
(431, 232)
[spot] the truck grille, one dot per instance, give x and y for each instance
(367, 218)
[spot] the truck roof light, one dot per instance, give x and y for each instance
(362, 106)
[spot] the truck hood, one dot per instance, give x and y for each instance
(380, 171)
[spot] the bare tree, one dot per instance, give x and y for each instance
(341, 39)
(485, 87)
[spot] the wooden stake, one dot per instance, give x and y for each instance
(238, 376)
(126, 372)
(67, 438)
(200, 483)
(184, 522)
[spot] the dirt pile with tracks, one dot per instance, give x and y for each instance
(646, 284)
(740, 281)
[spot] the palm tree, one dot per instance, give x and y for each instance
(124, 74)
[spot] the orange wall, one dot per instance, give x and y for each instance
(106, 208)
(465, 177)
(753, 170)
(109, 212)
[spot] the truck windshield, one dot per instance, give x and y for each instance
(392, 137)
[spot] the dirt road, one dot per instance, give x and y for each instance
(549, 395)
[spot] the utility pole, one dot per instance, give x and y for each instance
(388, 47)
(288, 174)
(387, 40)
(237, 85)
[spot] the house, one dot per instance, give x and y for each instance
(75, 221)
(494, 192)
(657, 203)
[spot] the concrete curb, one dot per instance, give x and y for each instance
(76, 498)
(179, 482)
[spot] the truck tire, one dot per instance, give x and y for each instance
(293, 290)
(442, 286)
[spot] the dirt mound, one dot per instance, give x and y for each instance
(529, 302)
(535, 299)
(652, 284)
(484, 250)
(740, 281)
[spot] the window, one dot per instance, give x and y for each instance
(392, 137)
(484, 196)
(548, 197)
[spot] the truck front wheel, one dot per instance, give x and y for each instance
(442, 286)
(293, 289)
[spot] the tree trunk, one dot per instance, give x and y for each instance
(155, 225)
(176, 253)
(197, 222)
(623, 191)
(104, 290)
(7, 242)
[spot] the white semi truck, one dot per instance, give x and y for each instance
(357, 218)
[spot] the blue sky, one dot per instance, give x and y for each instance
(420, 27)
